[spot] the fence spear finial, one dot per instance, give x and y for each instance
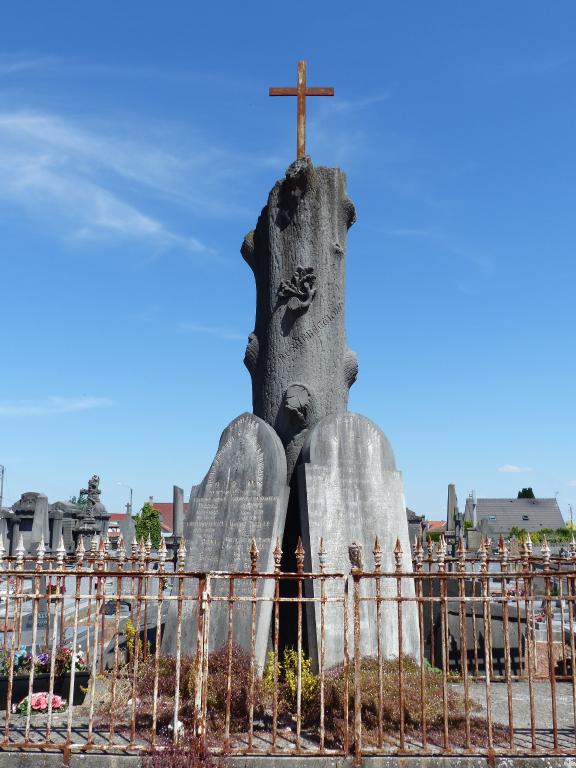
(356, 556)
(441, 552)
(101, 555)
(398, 552)
(80, 551)
(299, 555)
(20, 551)
(377, 552)
(40, 552)
(418, 553)
(253, 556)
(483, 554)
(61, 552)
(461, 552)
(121, 550)
(181, 554)
(277, 556)
(162, 554)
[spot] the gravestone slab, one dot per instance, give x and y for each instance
(40, 525)
(127, 531)
(243, 496)
(350, 491)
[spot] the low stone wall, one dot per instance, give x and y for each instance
(11, 759)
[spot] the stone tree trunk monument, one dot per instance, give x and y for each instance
(297, 356)
(301, 464)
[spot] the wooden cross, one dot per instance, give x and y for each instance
(301, 92)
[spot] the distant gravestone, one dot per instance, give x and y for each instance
(243, 496)
(350, 491)
(40, 525)
(127, 531)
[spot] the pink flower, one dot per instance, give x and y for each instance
(36, 701)
(56, 701)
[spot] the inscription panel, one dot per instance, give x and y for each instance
(350, 491)
(243, 496)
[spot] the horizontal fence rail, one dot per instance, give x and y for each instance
(470, 653)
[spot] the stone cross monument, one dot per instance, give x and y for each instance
(301, 464)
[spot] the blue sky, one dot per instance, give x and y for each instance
(137, 147)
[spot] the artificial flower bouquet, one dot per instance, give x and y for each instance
(39, 703)
(23, 661)
(64, 659)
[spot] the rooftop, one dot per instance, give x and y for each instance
(500, 515)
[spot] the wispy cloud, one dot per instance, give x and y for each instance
(53, 405)
(92, 180)
(11, 64)
(211, 330)
(356, 105)
(76, 178)
(571, 483)
(513, 469)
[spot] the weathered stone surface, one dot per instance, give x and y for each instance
(40, 525)
(177, 510)
(243, 496)
(350, 491)
(298, 358)
(127, 531)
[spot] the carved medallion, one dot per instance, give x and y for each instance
(299, 290)
(297, 400)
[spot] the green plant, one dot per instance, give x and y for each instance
(80, 500)
(309, 682)
(147, 523)
(519, 533)
(133, 642)
(288, 684)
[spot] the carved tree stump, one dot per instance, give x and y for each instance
(298, 358)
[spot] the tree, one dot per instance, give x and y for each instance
(526, 493)
(80, 500)
(147, 523)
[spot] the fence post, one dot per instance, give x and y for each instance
(356, 556)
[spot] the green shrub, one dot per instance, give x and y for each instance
(288, 684)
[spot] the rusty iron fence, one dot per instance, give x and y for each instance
(82, 664)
